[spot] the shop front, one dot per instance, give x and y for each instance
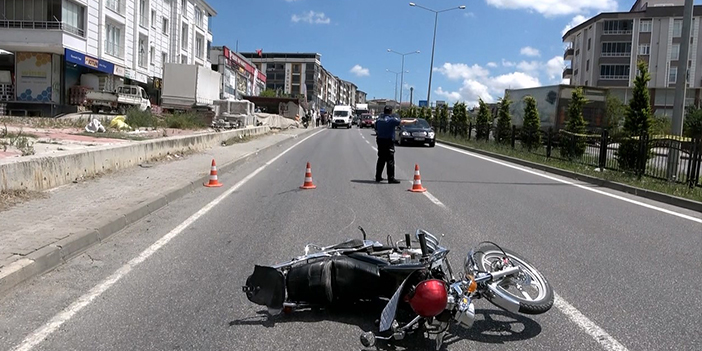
(84, 73)
(30, 83)
(246, 77)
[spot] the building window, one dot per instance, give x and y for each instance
(153, 18)
(143, 10)
(617, 27)
(199, 46)
(677, 28)
(614, 72)
(184, 37)
(72, 17)
(675, 52)
(184, 59)
(164, 58)
(184, 7)
(644, 49)
(673, 74)
(587, 66)
(142, 51)
(152, 55)
(198, 17)
(164, 29)
(645, 26)
(621, 49)
(115, 5)
(589, 43)
(113, 43)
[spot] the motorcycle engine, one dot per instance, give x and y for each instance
(465, 312)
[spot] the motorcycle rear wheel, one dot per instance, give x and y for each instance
(485, 258)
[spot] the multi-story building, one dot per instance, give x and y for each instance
(56, 46)
(240, 76)
(603, 51)
(302, 74)
(360, 97)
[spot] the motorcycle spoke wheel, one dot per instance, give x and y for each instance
(529, 287)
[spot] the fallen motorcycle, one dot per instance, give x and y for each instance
(418, 280)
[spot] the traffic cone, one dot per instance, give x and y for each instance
(308, 179)
(417, 184)
(213, 183)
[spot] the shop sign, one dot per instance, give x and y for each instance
(118, 71)
(89, 61)
(133, 75)
(33, 76)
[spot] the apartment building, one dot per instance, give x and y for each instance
(54, 50)
(603, 51)
(361, 97)
(240, 76)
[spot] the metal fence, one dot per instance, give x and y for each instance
(662, 157)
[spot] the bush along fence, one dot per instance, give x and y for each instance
(641, 156)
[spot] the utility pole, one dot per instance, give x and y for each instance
(680, 88)
(411, 93)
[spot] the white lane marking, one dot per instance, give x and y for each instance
(367, 142)
(694, 219)
(431, 197)
(43, 332)
(597, 333)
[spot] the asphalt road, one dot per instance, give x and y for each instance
(626, 274)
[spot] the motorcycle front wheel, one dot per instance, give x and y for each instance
(530, 287)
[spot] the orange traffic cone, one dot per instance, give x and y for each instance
(308, 179)
(417, 184)
(213, 183)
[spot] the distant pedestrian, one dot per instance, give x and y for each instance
(385, 138)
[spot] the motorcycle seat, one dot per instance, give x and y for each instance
(350, 244)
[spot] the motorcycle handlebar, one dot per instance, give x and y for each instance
(423, 244)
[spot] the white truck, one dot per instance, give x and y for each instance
(342, 116)
(124, 98)
(190, 87)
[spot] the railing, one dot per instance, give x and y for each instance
(617, 31)
(641, 156)
(55, 25)
(114, 49)
(616, 54)
(614, 76)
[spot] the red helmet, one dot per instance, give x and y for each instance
(429, 298)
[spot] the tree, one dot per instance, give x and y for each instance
(504, 121)
(268, 93)
(460, 118)
(531, 130)
(573, 145)
(693, 122)
(430, 114)
(614, 112)
(422, 113)
(637, 123)
(443, 116)
(483, 121)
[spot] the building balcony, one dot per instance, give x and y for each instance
(42, 25)
(568, 54)
(567, 73)
(41, 36)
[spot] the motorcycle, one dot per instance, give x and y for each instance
(416, 280)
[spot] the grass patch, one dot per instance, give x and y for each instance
(187, 120)
(675, 189)
(237, 140)
(141, 119)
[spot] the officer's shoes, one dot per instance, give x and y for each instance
(393, 181)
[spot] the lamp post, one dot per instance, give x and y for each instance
(402, 75)
(433, 45)
(396, 73)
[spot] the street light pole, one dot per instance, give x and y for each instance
(402, 79)
(433, 44)
(396, 73)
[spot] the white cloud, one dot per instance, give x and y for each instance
(507, 63)
(491, 65)
(529, 51)
(529, 66)
(312, 17)
(550, 8)
(573, 23)
(360, 71)
(554, 68)
(457, 71)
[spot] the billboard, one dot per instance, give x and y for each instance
(423, 103)
(33, 76)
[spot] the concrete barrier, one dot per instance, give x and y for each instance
(39, 173)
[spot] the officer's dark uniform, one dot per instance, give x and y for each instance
(385, 131)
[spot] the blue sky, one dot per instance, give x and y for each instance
(480, 51)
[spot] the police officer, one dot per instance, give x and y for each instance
(385, 138)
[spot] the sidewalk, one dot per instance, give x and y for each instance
(38, 235)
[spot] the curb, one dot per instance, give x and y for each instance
(649, 194)
(53, 255)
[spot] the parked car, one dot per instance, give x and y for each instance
(366, 121)
(418, 132)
